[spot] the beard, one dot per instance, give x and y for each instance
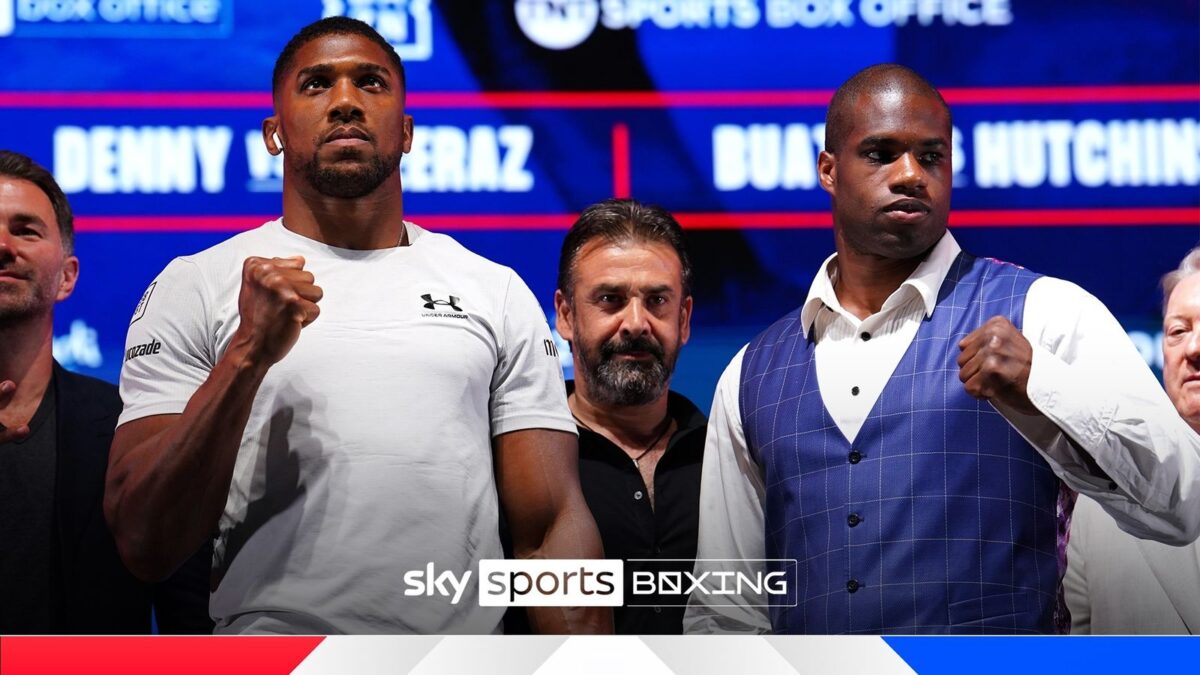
(16, 309)
(349, 181)
(620, 382)
(24, 302)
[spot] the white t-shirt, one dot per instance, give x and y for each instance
(367, 454)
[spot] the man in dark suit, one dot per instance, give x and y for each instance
(59, 569)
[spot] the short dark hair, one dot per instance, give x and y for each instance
(1189, 266)
(620, 220)
(21, 167)
(332, 25)
(871, 80)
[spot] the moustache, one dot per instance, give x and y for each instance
(615, 347)
(12, 270)
(348, 131)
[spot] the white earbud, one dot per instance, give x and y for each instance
(278, 140)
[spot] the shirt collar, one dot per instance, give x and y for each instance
(926, 281)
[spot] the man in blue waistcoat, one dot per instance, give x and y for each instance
(905, 448)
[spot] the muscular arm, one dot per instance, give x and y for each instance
(537, 474)
(169, 475)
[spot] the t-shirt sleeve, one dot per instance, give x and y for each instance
(168, 350)
(528, 391)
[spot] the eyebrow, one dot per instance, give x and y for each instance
(609, 288)
(661, 289)
(327, 69)
(23, 218)
(888, 140)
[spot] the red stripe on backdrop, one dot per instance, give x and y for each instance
(1163, 93)
(1175, 216)
(620, 158)
(621, 99)
(1153, 93)
(169, 223)
(1184, 216)
(152, 655)
(129, 100)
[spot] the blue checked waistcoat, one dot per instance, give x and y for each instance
(939, 517)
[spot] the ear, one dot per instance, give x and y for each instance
(685, 320)
(70, 274)
(827, 171)
(407, 131)
(271, 137)
(562, 316)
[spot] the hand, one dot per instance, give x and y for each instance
(277, 299)
(994, 364)
(10, 434)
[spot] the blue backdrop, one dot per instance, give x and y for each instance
(1077, 145)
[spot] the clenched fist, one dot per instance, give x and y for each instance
(278, 298)
(994, 364)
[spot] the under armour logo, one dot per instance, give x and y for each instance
(430, 303)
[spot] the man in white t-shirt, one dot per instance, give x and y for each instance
(344, 397)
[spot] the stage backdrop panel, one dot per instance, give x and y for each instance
(1076, 135)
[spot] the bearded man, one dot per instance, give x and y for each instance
(624, 303)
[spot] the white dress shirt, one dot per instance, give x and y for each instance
(1087, 379)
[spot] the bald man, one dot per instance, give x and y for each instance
(901, 453)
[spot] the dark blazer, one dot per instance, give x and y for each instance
(95, 593)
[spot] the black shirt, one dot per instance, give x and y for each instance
(629, 527)
(27, 550)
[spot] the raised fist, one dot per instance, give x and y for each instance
(994, 364)
(277, 299)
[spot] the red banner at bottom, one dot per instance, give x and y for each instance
(146, 655)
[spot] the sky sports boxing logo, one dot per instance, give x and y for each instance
(116, 18)
(611, 583)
